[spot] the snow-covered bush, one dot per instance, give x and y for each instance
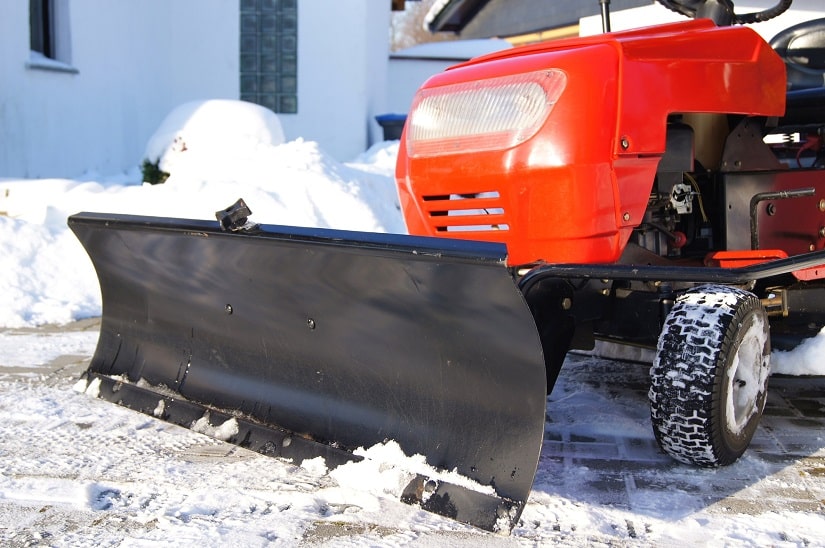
(212, 129)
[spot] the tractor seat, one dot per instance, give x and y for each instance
(802, 47)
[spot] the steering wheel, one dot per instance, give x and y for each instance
(690, 8)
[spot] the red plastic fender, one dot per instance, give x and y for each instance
(575, 189)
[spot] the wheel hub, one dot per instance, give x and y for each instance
(746, 377)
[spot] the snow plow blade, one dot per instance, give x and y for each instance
(310, 342)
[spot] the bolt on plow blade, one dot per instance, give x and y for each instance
(317, 342)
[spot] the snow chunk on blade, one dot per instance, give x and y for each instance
(223, 431)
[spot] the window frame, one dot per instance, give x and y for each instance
(49, 36)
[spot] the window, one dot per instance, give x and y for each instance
(49, 36)
(40, 27)
(269, 54)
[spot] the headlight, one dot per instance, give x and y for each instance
(495, 113)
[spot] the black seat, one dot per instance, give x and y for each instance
(802, 47)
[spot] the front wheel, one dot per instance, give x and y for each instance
(709, 380)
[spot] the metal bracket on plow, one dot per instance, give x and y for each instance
(234, 218)
(488, 512)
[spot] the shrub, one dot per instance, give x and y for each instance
(152, 173)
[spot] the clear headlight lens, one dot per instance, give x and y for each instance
(491, 114)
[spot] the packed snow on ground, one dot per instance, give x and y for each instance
(80, 471)
(75, 470)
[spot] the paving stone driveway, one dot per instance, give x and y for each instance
(607, 433)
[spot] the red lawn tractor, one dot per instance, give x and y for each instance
(660, 187)
(657, 187)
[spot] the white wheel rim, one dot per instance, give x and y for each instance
(746, 377)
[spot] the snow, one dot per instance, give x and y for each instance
(222, 431)
(215, 127)
(75, 470)
(806, 359)
(49, 278)
(79, 471)
(387, 470)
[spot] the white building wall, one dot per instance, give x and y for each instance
(135, 61)
(342, 74)
(411, 67)
(406, 75)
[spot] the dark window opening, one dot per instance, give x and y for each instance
(41, 27)
(269, 54)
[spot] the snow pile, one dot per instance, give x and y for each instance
(806, 359)
(47, 279)
(386, 470)
(206, 130)
(221, 151)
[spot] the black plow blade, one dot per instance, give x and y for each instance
(317, 342)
